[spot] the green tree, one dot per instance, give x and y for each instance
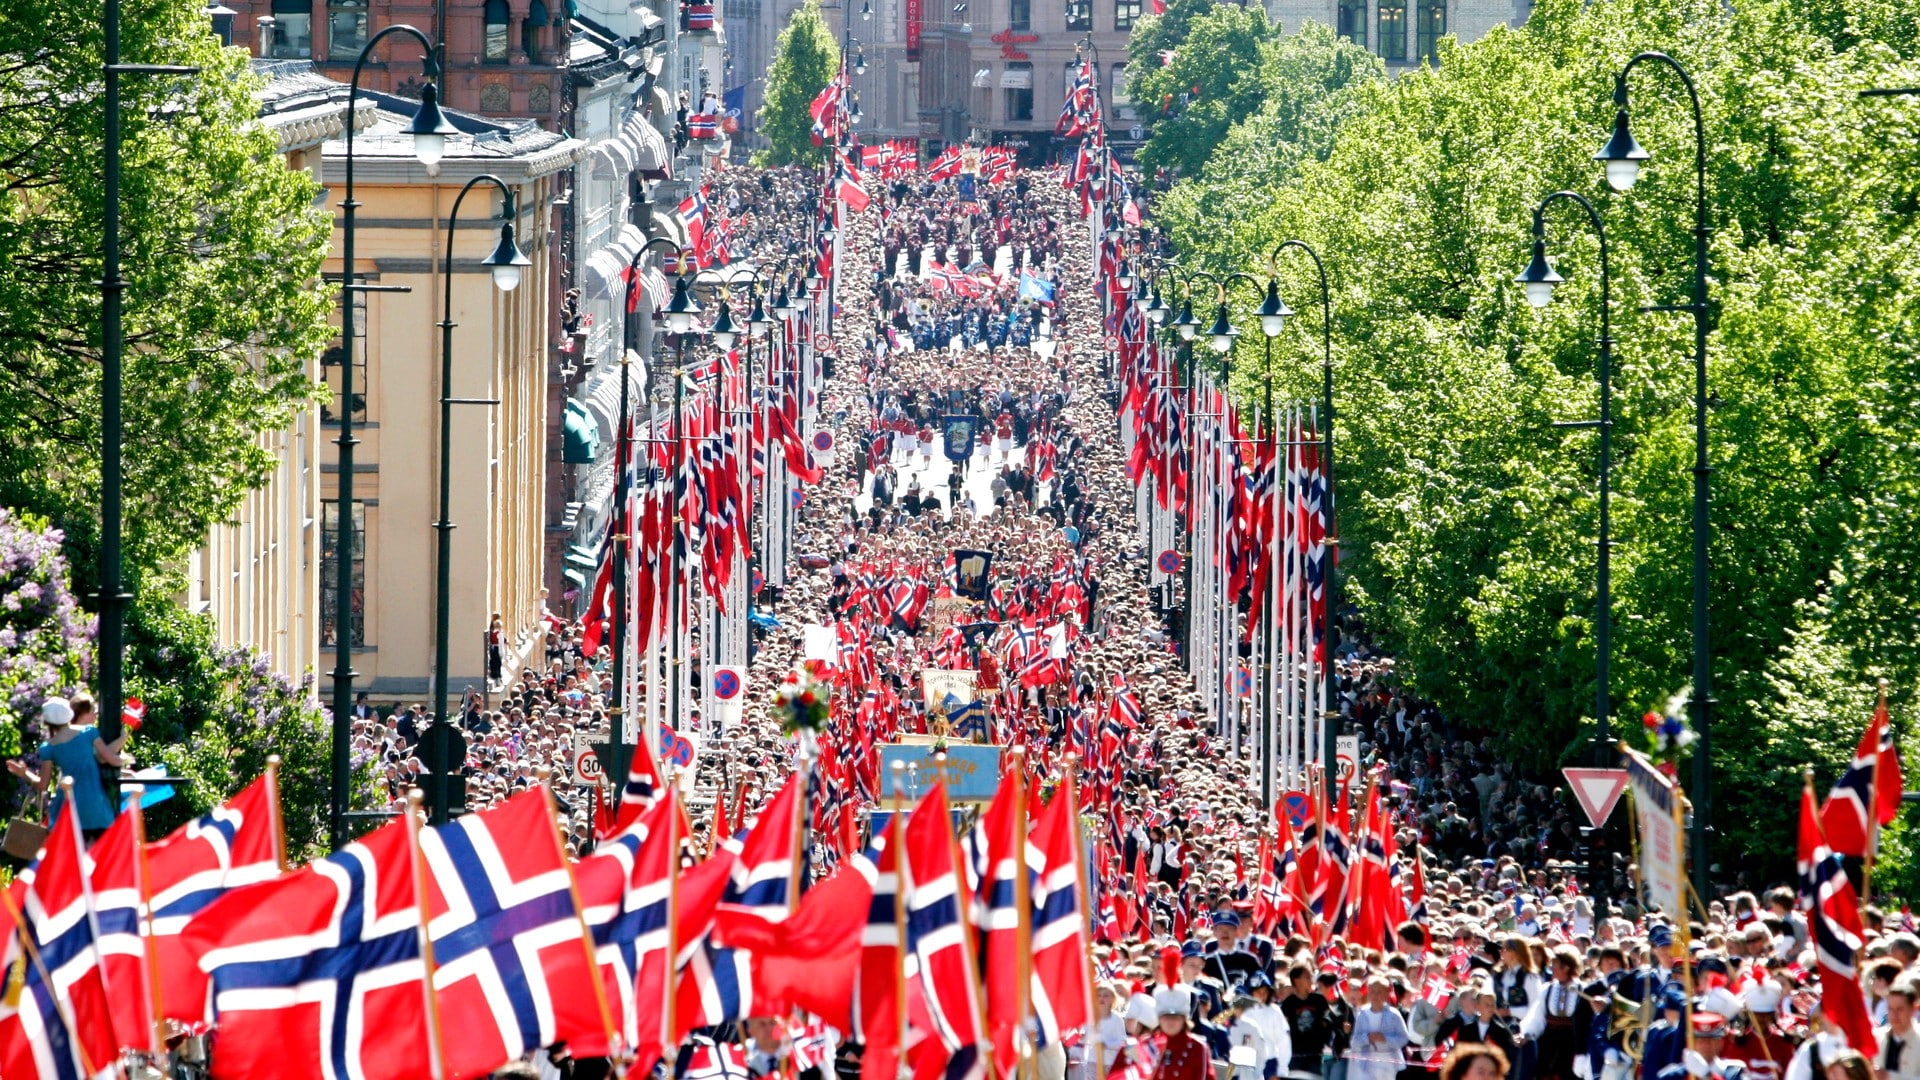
(222, 248)
(46, 644)
(1210, 81)
(803, 63)
(1467, 518)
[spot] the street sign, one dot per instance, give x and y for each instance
(1597, 791)
(1113, 343)
(1298, 807)
(1346, 756)
(1168, 562)
(586, 762)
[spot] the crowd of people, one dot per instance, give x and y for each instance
(1510, 969)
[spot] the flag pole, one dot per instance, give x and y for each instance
(149, 947)
(436, 1047)
(1095, 1054)
(33, 956)
(579, 912)
(1023, 911)
(1683, 924)
(894, 842)
(279, 818)
(1873, 807)
(671, 965)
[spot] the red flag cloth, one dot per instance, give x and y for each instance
(877, 1024)
(812, 960)
(291, 959)
(1867, 795)
(1060, 946)
(1838, 935)
(940, 962)
(60, 1025)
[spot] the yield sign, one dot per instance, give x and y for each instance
(1598, 791)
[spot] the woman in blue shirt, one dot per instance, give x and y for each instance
(74, 747)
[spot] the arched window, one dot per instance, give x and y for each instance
(1393, 30)
(533, 30)
(1353, 21)
(1432, 26)
(496, 15)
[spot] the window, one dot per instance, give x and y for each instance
(1353, 21)
(533, 29)
(346, 29)
(1393, 29)
(1430, 29)
(1020, 15)
(332, 372)
(1016, 84)
(1121, 101)
(330, 573)
(1079, 14)
(292, 30)
(1124, 13)
(495, 16)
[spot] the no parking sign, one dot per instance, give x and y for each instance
(823, 447)
(1168, 562)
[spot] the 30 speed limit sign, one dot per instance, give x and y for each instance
(586, 764)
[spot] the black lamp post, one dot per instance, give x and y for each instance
(1623, 156)
(506, 263)
(619, 755)
(682, 315)
(1273, 317)
(113, 597)
(429, 129)
(1539, 279)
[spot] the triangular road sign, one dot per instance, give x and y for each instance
(1597, 791)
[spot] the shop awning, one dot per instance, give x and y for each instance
(580, 442)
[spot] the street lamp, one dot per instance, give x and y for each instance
(429, 128)
(723, 329)
(866, 10)
(1273, 314)
(859, 60)
(1184, 323)
(1330, 632)
(1156, 308)
(682, 309)
(505, 262)
(1622, 156)
(1221, 334)
(619, 755)
(1539, 279)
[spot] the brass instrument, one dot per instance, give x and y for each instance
(1629, 1019)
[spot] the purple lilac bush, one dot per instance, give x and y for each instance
(46, 641)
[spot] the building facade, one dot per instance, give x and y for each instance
(1404, 33)
(258, 576)
(500, 351)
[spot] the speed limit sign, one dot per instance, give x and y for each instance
(586, 764)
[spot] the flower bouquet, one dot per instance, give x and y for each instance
(800, 701)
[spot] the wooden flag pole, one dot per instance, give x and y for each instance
(573, 891)
(436, 1045)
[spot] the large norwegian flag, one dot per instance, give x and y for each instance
(327, 965)
(236, 843)
(1063, 994)
(1867, 795)
(940, 959)
(1838, 933)
(58, 1026)
(513, 965)
(119, 885)
(998, 851)
(639, 792)
(322, 966)
(626, 888)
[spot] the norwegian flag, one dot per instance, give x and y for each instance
(236, 843)
(693, 211)
(640, 791)
(998, 850)
(704, 1059)
(876, 1020)
(1837, 931)
(1062, 997)
(997, 165)
(940, 959)
(1078, 110)
(299, 963)
(946, 166)
(1867, 795)
(812, 1047)
(825, 109)
(59, 1025)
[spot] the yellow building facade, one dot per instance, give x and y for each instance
(501, 347)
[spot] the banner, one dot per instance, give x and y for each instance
(970, 573)
(913, 30)
(1663, 853)
(958, 433)
(939, 685)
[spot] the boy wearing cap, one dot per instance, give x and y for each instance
(1704, 1060)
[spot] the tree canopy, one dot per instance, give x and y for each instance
(804, 61)
(221, 247)
(1467, 518)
